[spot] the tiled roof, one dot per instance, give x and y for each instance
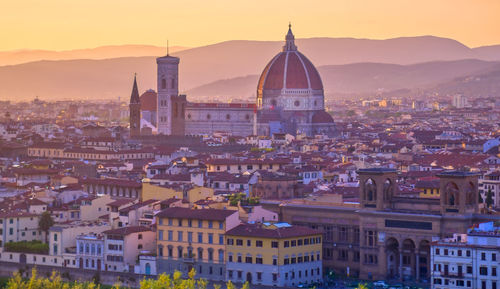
(260, 230)
(203, 214)
(127, 230)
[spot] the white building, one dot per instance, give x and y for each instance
(491, 182)
(459, 101)
(90, 251)
(467, 260)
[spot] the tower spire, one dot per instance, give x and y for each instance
(290, 40)
(134, 97)
(167, 49)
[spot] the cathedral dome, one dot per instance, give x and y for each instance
(149, 100)
(289, 70)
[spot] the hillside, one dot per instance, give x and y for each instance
(230, 68)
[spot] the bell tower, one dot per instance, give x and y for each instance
(458, 192)
(168, 91)
(377, 187)
(135, 111)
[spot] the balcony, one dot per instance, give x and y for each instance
(189, 258)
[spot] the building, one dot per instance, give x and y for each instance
(386, 236)
(290, 96)
(19, 226)
(124, 245)
(491, 182)
(459, 101)
(467, 260)
(274, 254)
(90, 251)
(290, 99)
(189, 238)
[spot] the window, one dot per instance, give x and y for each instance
(210, 224)
(275, 277)
(239, 242)
(294, 243)
(230, 242)
(239, 259)
(200, 224)
(459, 253)
(210, 238)
(258, 260)
(287, 244)
(248, 260)
(370, 238)
(179, 236)
(230, 274)
(274, 244)
(299, 242)
(179, 222)
(160, 235)
(249, 243)
(221, 239)
(437, 253)
(259, 276)
(190, 223)
(258, 243)
(170, 235)
(493, 257)
(230, 258)
(483, 256)
(221, 225)
(240, 273)
(469, 269)
(493, 271)
(55, 237)
(190, 237)
(483, 271)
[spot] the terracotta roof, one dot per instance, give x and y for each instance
(149, 100)
(260, 230)
(203, 214)
(127, 230)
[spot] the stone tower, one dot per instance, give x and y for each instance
(170, 105)
(459, 192)
(135, 111)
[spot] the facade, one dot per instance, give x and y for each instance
(467, 260)
(274, 254)
(491, 182)
(19, 226)
(385, 236)
(188, 239)
(90, 251)
(123, 245)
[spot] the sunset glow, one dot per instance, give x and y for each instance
(62, 24)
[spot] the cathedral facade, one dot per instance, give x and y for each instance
(290, 99)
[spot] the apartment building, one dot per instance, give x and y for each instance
(188, 238)
(467, 260)
(274, 254)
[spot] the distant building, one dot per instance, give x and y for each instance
(459, 101)
(467, 260)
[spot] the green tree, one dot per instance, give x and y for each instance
(45, 223)
(480, 198)
(489, 198)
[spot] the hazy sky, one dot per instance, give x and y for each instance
(69, 24)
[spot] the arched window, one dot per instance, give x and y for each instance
(370, 190)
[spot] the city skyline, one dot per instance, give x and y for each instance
(57, 25)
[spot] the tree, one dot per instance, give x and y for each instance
(45, 223)
(480, 198)
(489, 198)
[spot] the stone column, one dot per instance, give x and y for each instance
(401, 265)
(417, 263)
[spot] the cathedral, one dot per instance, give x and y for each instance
(290, 99)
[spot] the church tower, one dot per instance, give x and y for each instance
(135, 111)
(171, 105)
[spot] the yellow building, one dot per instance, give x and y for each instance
(189, 238)
(276, 254)
(428, 188)
(234, 166)
(188, 192)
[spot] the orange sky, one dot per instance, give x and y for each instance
(70, 24)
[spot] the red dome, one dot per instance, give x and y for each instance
(290, 70)
(322, 117)
(149, 100)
